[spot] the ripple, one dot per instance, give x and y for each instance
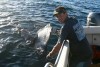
(5, 14)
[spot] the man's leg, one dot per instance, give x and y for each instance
(83, 64)
(77, 63)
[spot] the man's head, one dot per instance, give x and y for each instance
(60, 13)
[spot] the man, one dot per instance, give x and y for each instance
(80, 51)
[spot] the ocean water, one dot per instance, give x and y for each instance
(33, 15)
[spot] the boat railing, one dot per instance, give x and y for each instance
(62, 58)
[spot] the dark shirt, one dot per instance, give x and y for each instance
(74, 32)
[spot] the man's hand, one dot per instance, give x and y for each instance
(48, 56)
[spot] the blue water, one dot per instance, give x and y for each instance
(33, 15)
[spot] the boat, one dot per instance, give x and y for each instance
(92, 31)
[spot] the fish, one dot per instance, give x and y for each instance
(39, 40)
(43, 36)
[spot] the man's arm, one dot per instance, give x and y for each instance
(55, 50)
(63, 36)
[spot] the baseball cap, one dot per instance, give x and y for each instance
(59, 10)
